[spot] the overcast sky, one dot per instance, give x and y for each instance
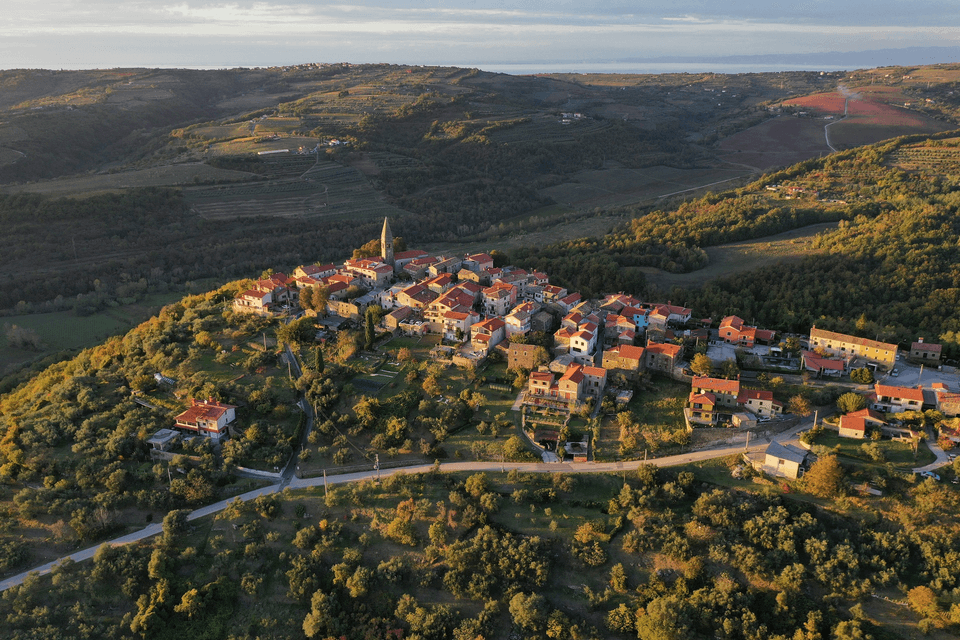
(206, 33)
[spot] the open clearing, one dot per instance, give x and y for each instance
(738, 257)
(64, 330)
(168, 176)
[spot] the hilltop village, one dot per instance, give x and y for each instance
(576, 353)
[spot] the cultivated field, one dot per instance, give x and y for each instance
(823, 103)
(618, 186)
(327, 190)
(739, 257)
(167, 176)
(241, 146)
(778, 142)
(871, 115)
(944, 158)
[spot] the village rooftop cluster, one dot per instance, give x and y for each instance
(598, 346)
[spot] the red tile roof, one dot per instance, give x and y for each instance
(717, 384)
(905, 393)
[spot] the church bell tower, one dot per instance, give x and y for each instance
(386, 243)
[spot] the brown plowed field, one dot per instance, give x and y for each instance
(779, 142)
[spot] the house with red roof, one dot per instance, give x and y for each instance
(519, 319)
(499, 298)
(626, 359)
(371, 272)
(857, 424)
(761, 403)
(926, 353)
(726, 392)
(734, 331)
(487, 334)
(845, 346)
(702, 408)
(210, 419)
(416, 296)
(890, 399)
(403, 258)
(662, 357)
(478, 262)
(822, 366)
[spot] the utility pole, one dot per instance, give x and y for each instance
(376, 465)
(324, 483)
(746, 445)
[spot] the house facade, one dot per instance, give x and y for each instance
(881, 354)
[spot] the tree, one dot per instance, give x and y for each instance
(701, 364)
(861, 376)
(318, 364)
(729, 369)
(369, 331)
(850, 402)
(825, 478)
(299, 331)
(923, 600)
(529, 611)
(799, 405)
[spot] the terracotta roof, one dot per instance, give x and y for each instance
(491, 324)
(702, 398)
(733, 322)
(210, 410)
(541, 376)
(867, 413)
(717, 384)
(754, 394)
(574, 373)
(818, 362)
(840, 337)
(630, 352)
(598, 372)
(906, 393)
(672, 350)
(926, 346)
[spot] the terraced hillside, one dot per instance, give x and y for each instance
(324, 190)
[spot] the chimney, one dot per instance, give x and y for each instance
(920, 340)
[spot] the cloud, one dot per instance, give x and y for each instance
(470, 32)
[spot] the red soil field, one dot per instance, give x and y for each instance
(826, 103)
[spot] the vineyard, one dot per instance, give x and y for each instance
(326, 190)
(935, 159)
(548, 129)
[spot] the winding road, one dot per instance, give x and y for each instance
(288, 481)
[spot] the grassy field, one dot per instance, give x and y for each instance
(64, 330)
(744, 256)
(899, 454)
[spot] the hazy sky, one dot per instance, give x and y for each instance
(207, 33)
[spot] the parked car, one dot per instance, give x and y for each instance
(929, 474)
(895, 373)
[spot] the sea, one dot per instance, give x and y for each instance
(650, 68)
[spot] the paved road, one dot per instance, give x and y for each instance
(302, 483)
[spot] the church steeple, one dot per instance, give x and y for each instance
(386, 243)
